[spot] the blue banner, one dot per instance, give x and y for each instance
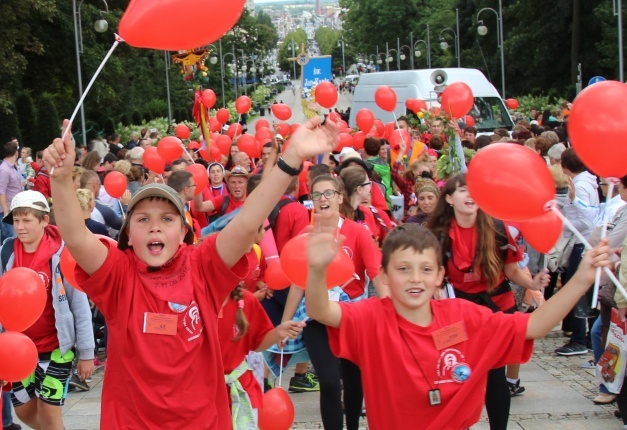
(317, 70)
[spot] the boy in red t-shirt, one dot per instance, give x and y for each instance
(161, 296)
(426, 361)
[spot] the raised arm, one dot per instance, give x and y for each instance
(548, 315)
(308, 141)
(86, 249)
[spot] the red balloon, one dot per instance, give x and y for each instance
(115, 184)
(193, 145)
(457, 99)
(342, 126)
(389, 130)
(379, 127)
(223, 142)
(243, 104)
(182, 131)
(542, 232)
(153, 161)
(235, 129)
(334, 116)
(283, 128)
(365, 119)
(469, 120)
(208, 98)
(346, 141)
(282, 111)
(275, 278)
(213, 155)
(201, 178)
(22, 298)
(293, 128)
(411, 104)
(214, 125)
(358, 140)
(385, 97)
(511, 103)
(264, 134)
(495, 183)
(277, 412)
(261, 122)
(166, 25)
(326, 94)
(223, 116)
(397, 137)
(596, 130)
(18, 356)
(170, 148)
(67, 265)
(294, 263)
(247, 143)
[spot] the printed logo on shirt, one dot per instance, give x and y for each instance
(235, 331)
(348, 252)
(452, 367)
(193, 321)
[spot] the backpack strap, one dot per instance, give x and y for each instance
(225, 204)
(275, 212)
(5, 253)
(375, 212)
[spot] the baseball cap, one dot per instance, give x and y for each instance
(27, 199)
(155, 190)
(237, 171)
(279, 137)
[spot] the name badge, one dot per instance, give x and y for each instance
(450, 335)
(163, 324)
(470, 277)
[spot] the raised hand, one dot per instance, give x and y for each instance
(59, 156)
(323, 243)
(599, 256)
(310, 140)
(290, 329)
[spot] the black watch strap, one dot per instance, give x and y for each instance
(281, 164)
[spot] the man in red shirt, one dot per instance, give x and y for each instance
(236, 180)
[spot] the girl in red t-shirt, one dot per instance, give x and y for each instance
(243, 326)
(480, 259)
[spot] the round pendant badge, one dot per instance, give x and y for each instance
(177, 308)
(461, 372)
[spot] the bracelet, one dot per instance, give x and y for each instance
(281, 164)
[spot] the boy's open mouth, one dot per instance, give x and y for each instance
(415, 291)
(155, 247)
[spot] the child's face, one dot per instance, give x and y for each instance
(28, 228)
(462, 202)
(412, 278)
(322, 202)
(155, 231)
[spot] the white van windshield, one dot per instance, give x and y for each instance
(490, 113)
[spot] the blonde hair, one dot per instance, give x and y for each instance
(123, 167)
(85, 197)
(560, 178)
(77, 172)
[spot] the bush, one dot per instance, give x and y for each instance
(108, 126)
(49, 126)
(27, 119)
(124, 120)
(9, 127)
(136, 117)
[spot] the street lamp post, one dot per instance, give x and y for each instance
(444, 43)
(413, 47)
(388, 57)
(618, 12)
(100, 26)
(483, 30)
(293, 56)
(341, 41)
(416, 52)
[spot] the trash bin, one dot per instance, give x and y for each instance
(262, 111)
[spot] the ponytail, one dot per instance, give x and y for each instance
(240, 317)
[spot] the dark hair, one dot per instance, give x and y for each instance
(110, 158)
(179, 180)
(318, 170)
(409, 236)
(372, 145)
(623, 181)
(86, 176)
(253, 182)
(436, 143)
(345, 208)
(471, 129)
(240, 317)
(482, 141)
(501, 132)
(570, 160)
(353, 178)
(9, 149)
(543, 145)
(91, 161)
(202, 162)
(179, 161)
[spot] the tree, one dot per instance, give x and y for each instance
(326, 38)
(27, 118)
(299, 38)
(49, 126)
(9, 127)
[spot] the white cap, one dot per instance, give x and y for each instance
(27, 199)
(278, 136)
(346, 150)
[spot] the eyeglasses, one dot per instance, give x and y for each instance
(328, 194)
(365, 184)
(191, 186)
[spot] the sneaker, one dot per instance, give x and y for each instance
(267, 385)
(515, 389)
(12, 426)
(572, 348)
(305, 383)
(604, 399)
(77, 385)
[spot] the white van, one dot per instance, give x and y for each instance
(489, 110)
(351, 79)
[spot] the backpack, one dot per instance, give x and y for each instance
(558, 256)
(5, 254)
(222, 211)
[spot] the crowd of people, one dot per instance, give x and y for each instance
(185, 287)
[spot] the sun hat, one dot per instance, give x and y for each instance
(27, 199)
(237, 171)
(353, 157)
(155, 190)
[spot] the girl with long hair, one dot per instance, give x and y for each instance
(480, 258)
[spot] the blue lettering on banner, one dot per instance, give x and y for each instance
(317, 70)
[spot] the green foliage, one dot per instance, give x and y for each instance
(9, 127)
(49, 124)
(27, 119)
(526, 103)
(136, 117)
(327, 39)
(108, 126)
(299, 38)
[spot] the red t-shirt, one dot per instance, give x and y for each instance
(43, 332)
(364, 252)
(161, 381)
(464, 281)
(396, 388)
(293, 218)
(378, 198)
(235, 351)
(257, 270)
(233, 204)
(201, 217)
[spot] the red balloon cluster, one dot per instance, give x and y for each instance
(495, 183)
(281, 111)
(223, 142)
(247, 143)
(457, 99)
(596, 130)
(261, 122)
(166, 25)
(294, 263)
(543, 232)
(235, 129)
(358, 140)
(326, 94)
(115, 184)
(385, 97)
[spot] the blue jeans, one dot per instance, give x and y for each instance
(6, 230)
(578, 325)
(596, 333)
(7, 415)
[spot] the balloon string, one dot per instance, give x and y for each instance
(189, 155)
(281, 365)
(597, 276)
(162, 180)
(121, 209)
(88, 87)
(583, 240)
